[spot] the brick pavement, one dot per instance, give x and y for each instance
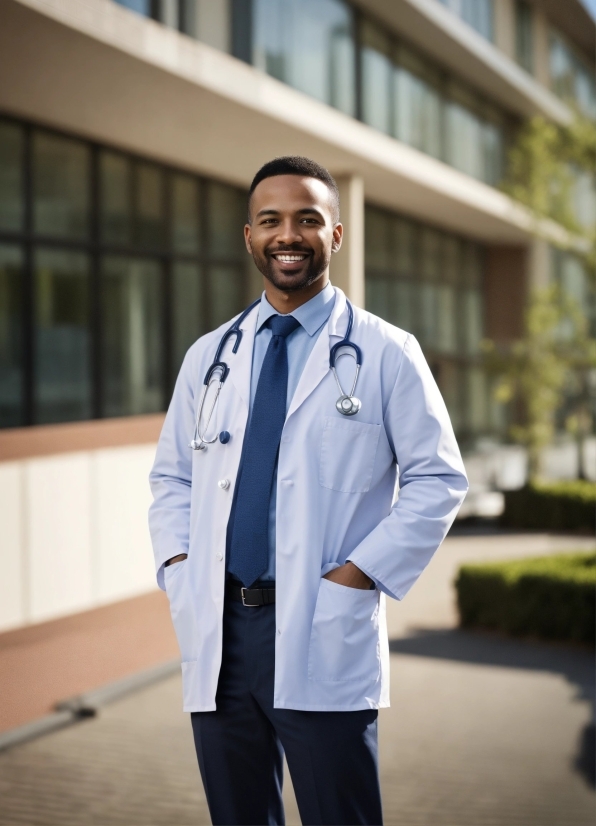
(483, 731)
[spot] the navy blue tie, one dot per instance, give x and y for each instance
(249, 542)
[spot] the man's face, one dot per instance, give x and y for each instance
(292, 231)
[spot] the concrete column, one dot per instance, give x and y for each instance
(214, 25)
(539, 264)
(347, 265)
(541, 48)
(504, 21)
(169, 13)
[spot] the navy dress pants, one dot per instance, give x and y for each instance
(332, 755)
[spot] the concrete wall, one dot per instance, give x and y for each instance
(74, 529)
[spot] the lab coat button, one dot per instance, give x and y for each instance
(224, 484)
(279, 630)
(219, 556)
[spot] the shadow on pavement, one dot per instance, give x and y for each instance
(576, 665)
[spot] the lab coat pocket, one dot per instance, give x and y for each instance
(181, 608)
(344, 640)
(348, 452)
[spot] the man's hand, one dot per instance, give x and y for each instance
(349, 575)
(179, 558)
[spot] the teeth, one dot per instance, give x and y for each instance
(289, 259)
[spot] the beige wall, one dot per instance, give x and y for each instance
(74, 524)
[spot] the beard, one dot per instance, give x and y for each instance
(316, 266)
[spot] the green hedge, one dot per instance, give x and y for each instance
(555, 506)
(553, 597)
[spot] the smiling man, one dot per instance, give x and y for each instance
(278, 538)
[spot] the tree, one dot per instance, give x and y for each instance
(552, 368)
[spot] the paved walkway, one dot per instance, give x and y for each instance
(483, 731)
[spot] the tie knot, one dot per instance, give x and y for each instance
(283, 325)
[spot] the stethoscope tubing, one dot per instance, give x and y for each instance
(347, 404)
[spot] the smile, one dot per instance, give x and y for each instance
(289, 258)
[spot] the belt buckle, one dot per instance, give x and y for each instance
(248, 604)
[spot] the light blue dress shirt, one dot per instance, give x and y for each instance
(312, 317)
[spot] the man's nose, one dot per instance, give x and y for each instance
(289, 233)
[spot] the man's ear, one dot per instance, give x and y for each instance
(338, 234)
(248, 238)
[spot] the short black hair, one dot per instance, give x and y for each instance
(297, 165)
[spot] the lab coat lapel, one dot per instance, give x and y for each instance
(317, 366)
(240, 363)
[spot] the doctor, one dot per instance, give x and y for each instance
(278, 542)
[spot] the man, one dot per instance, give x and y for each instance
(278, 541)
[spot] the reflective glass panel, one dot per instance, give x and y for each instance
(62, 390)
(473, 321)
(464, 140)
(187, 309)
(11, 336)
(226, 293)
(132, 344)
(115, 198)
(479, 15)
(140, 6)
(417, 105)
(378, 297)
(60, 186)
(308, 44)
(226, 214)
(524, 41)
(430, 252)
(477, 400)
(446, 319)
(149, 206)
(185, 214)
(405, 238)
(377, 73)
(378, 239)
(11, 176)
(428, 315)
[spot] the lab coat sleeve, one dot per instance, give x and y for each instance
(432, 480)
(170, 477)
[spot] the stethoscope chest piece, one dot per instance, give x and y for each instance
(348, 405)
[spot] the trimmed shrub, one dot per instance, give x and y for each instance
(552, 506)
(553, 597)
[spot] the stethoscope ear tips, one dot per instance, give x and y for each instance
(224, 437)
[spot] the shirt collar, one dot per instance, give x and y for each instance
(311, 315)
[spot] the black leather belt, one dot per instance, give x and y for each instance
(250, 597)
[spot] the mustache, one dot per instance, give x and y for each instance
(293, 248)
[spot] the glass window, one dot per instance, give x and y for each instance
(479, 15)
(417, 106)
(11, 336)
(132, 344)
(377, 73)
(405, 239)
(185, 214)
(446, 319)
(473, 322)
(115, 198)
(140, 6)
(187, 308)
(149, 206)
(477, 400)
(226, 292)
(464, 140)
(11, 176)
(226, 216)
(60, 186)
(524, 41)
(62, 389)
(308, 44)
(378, 239)
(572, 78)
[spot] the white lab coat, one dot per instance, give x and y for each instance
(335, 500)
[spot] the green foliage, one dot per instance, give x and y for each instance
(558, 506)
(553, 597)
(556, 357)
(556, 354)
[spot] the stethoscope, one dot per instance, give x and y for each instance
(347, 404)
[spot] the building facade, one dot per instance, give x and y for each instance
(129, 133)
